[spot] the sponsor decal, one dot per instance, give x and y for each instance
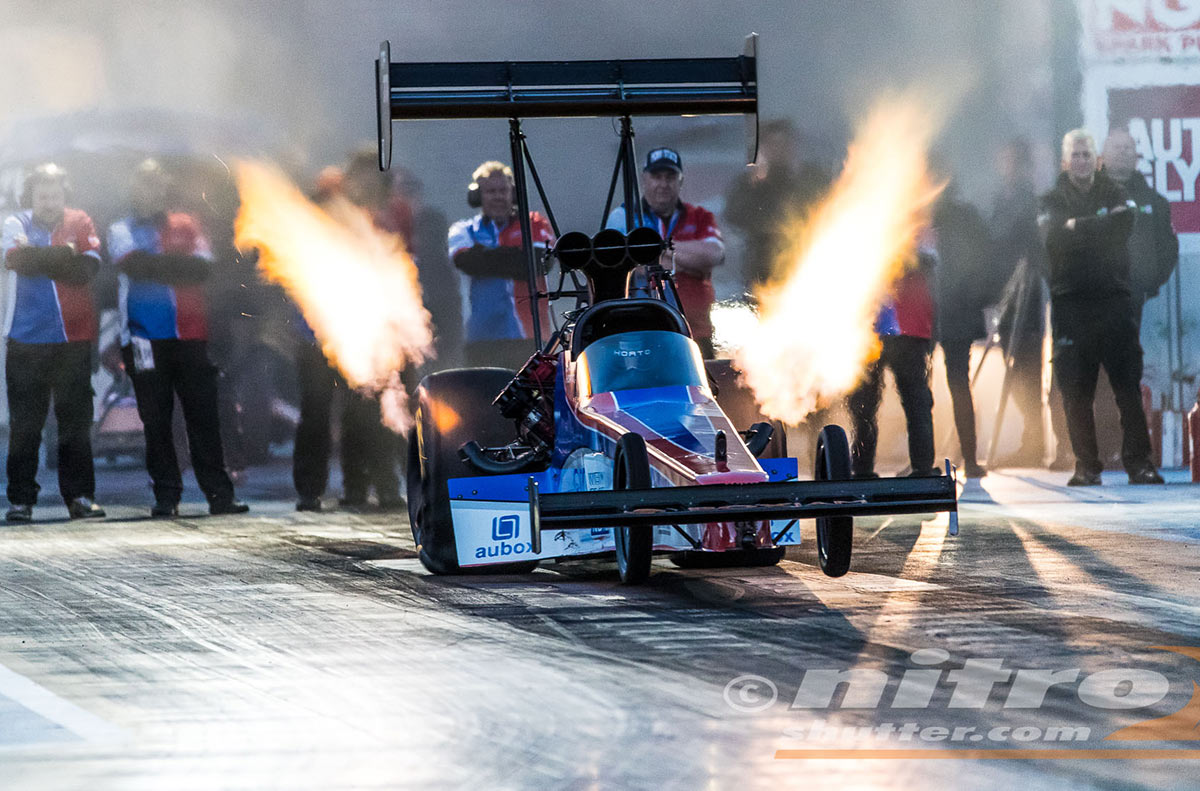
(506, 530)
(1140, 29)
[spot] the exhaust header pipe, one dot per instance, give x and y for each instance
(608, 259)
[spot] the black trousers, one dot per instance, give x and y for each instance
(1027, 393)
(368, 448)
(909, 360)
(310, 456)
(958, 379)
(1088, 335)
(35, 374)
(181, 368)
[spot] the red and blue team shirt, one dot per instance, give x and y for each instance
(689, 223)
(41, 310)
(149, 309)
(909, 308)
(499, 306)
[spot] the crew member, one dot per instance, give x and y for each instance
(440, 287)
(487, 249)
(369, 450)
(696, 244)
(163, 260)
(1087, 219)
(779, 188)
(966, 284)
(52, 254)
(905, 327)
(1020, 256)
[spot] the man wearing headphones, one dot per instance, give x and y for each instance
(487, 249)
(51, 253)
(696, 243)
(163, 260)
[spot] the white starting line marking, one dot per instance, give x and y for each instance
(49, 706)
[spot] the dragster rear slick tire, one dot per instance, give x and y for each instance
(452, 407)
(835, 534)
(635, 545)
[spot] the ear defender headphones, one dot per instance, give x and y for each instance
(47, 173)
(486, 170)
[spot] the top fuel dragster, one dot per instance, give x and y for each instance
(615, 436)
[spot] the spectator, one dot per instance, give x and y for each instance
(487, 249)
(966, 284)
(163, 259)
(1020, 255)
(1087, 219)
(438, 279)
(368, 448)
(696, 241)
(52, 254)
(905, 327)
(778, 188)
(1153, 245)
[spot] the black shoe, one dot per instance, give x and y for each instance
(1145, 475)
(974, 470)
(353, 501)
(164, 508)
(1084, 478)
(230, 506)
(865, 476)
(19, 513)
(928, 472)
(83, 508)
(308, 504)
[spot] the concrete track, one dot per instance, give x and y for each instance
(298, 651)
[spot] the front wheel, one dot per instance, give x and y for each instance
(631, 471)
(835, 534)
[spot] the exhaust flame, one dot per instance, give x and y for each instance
(355, 284)
(814, 334)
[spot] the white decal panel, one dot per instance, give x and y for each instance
(488, 532)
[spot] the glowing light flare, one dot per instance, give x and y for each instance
(355, 284)
(815, 329)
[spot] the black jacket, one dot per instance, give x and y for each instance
(1153, 245)
(967, 281)
(1091, 260)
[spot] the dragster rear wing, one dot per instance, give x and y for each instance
(575, 88)
(742, 502)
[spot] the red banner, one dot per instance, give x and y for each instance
(1133, 29)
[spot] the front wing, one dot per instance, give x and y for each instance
(491, 525)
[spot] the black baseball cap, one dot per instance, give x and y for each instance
(663, 159)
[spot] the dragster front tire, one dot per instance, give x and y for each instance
(452, 407)
(835, 534)
(631, 470)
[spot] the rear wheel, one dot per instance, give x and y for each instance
(835, 534)
(452, 407)
(631, 471)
